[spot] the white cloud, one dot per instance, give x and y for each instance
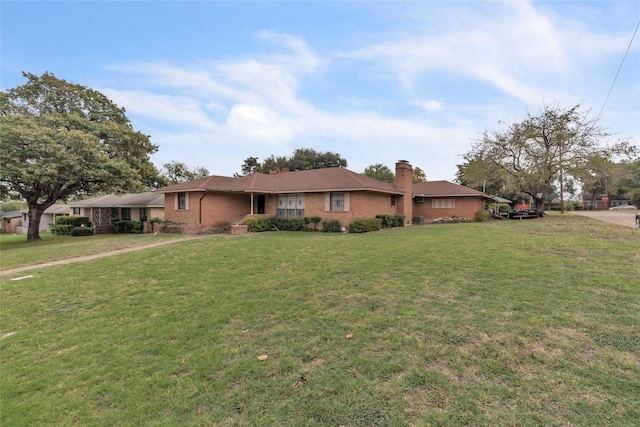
(260, 124)
(431, 105)
(177, 110)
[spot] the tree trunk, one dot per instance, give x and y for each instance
(35, 213)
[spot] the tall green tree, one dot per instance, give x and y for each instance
(301, 159)
(545, 150)
(177, 172)
(630, 182)
(418, 175)
(380, 172)
(60, 139)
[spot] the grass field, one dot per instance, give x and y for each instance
(509, 323)
(15, 251)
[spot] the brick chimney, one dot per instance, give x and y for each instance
(404, 181)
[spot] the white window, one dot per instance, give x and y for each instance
(337, 201)
(290, 205)
(443, 203)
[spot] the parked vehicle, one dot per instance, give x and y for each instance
(622, 208)
(525, 211)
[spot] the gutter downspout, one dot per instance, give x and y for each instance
(200, 208)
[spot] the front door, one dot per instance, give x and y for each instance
(260, 208)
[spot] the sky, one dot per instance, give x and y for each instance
(215, 82)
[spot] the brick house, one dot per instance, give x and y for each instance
(11, 221)
(444, 199)
(216, 202)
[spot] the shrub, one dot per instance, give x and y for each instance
(483, 216)
(389, 220)
(364, 225)
(81, 231)
(75, 221)
(127, 226)
(155, 220)
(315, 220)
(332, 226)
(61, 229)
(288, 224)
(258, 223)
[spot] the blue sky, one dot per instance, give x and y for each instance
(214, 82)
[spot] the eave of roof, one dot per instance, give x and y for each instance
(142, 200)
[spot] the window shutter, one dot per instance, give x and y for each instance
(347, 201)
(327, 202)
(186, 201)
(175, 199)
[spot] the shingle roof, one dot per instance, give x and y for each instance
(148, 199)
(306, 181)
(57, 209)
(444, 189)
(12, 214)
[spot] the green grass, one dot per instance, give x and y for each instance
(16, 251)
(522, 323)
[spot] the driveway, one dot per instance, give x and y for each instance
(627, 218)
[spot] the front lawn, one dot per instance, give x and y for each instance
(524, 323)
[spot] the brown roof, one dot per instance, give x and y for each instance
(444, 189)
(306, 181)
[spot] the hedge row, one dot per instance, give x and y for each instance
(70, 230)
(76, 221)
(127, 226)
(259, 223)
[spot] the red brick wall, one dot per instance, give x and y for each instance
(182, 216)
(464, 207)
(220, 210)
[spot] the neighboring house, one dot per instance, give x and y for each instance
(216, 202)
(11, 221)
(18, 221)
(102, 209)
(444, 199)
(602, 202)
(47, 219)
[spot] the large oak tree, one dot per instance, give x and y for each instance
(60, 139)
(540, 153)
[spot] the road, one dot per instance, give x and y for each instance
(627, 218)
